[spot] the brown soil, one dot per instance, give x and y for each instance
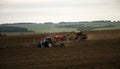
(100, 51)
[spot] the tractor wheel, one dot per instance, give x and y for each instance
(62, 45)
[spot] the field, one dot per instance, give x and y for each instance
(68, 27)
(100, 51)
(44, 28)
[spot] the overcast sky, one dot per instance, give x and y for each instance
(58, 10)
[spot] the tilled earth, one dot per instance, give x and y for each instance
(100, 51)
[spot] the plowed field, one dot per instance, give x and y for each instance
(100, 51)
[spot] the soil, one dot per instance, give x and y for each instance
(100, 51)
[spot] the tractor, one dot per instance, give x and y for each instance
(61, 40)
(81, 36)
(57, 41)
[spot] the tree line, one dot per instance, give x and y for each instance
(13, 29)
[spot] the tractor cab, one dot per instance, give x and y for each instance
(81, 35)
(49, 39)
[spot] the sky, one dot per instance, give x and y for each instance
(40, 11)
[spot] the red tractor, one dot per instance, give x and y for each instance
(81, 36)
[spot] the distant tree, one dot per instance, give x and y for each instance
(12, 29)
